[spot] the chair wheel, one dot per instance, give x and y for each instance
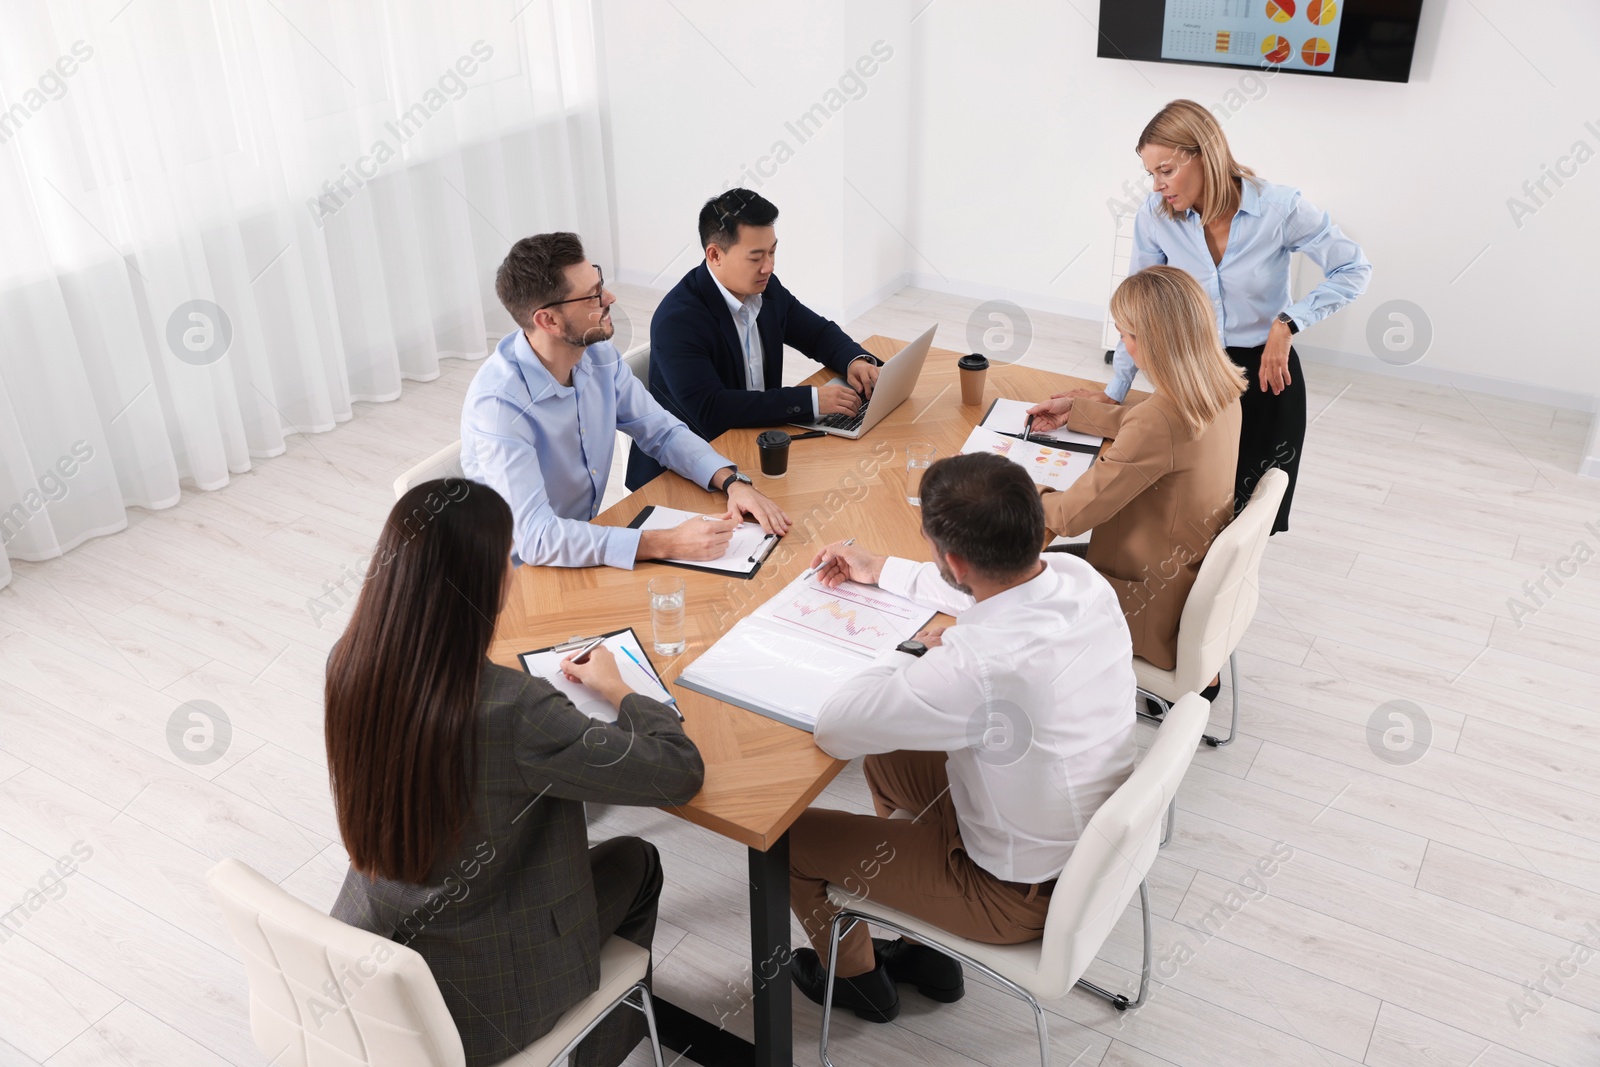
(1212, 741)
(1121, 1003)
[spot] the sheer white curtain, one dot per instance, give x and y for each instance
(226, 220)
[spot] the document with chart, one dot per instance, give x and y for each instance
(786, 658)
(1053, 468)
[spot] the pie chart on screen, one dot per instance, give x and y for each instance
(1316, 52)
(1275, 49)
(1322, 12)
(1280, 10)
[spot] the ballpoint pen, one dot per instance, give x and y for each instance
(1027, 429)
(813, 570)
(583, 655)
(651, 675)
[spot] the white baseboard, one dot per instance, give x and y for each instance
(1078, 309)
(857, 308)
(1487, 384)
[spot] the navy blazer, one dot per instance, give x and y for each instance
(697, 363)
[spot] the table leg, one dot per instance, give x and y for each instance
(769, 955)
(710, 1044)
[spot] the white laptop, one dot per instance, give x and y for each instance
(895, 382)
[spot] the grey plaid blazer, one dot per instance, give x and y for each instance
(507, 923)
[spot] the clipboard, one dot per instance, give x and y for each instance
(1041, 438)
(541, 663)
(746, 568)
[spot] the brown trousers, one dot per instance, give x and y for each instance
(916, 866)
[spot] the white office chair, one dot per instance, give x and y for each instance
(319, 997)
(1109, 863)
(445, 463)
(1220, 607)
(638, 360)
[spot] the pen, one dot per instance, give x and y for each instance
(808, 435)
(583, 656)
(819, 566)
(649, 674)
(1027, 429)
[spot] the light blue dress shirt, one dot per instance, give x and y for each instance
(546, 448)
(745, 312)
(1251, 285)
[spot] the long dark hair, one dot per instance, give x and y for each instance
(402, 684)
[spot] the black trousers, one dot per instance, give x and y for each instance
(627, 890)
(1273, 432)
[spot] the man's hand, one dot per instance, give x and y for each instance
(700, 538)
(1274, 373)
(744, 500)
(1086, 394)
(932, 636)
(838, 399)
(839, 563)
(863, 377)
(1052, 413)
(598, 672)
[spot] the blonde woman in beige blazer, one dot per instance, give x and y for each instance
(1162, 488)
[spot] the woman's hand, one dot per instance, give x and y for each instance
(1052, 413)
(598, 672)
(1274, 373)
(1086, 394)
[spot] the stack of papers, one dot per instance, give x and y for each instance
(745, 553)
(786, 658)
(1010, 416)
(1054, 468)
(633, 663)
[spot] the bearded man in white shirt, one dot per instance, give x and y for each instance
(1002, 735)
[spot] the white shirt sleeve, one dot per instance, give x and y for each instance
(922, 583)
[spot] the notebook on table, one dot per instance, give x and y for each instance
(786, 658)
(1052, 466)
(633, 663)
(1010, 417)
(749, 548)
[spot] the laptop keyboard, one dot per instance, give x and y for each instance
(840, 421)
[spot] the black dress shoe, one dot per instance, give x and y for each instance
(1210, 692)
(936, 976)
(1153, 708)
(872, 996)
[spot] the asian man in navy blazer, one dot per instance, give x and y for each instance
(716, 341)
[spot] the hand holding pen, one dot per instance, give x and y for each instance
(843, 562)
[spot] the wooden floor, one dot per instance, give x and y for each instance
(1422, 903)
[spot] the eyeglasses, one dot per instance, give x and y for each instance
(598, 294)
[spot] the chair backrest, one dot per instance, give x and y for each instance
(445, 463)
(638, 360)
(1225, 593)
(1116, 851)
(324, 994)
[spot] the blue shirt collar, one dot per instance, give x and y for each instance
(735, 305)
(540, 382)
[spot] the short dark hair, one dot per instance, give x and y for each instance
(985, 509)
(724, 213)
(534, 273)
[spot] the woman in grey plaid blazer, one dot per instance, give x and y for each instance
(459, 786)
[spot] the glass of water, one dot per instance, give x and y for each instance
(919, 457)
(666, 615)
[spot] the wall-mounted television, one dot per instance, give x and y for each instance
(1370, 39)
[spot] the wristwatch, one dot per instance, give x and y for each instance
(911, 648)
(734, 477)
(869, 357)
(1288, 320)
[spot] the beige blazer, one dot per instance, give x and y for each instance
(1156, 498)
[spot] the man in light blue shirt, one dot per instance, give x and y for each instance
(1249, 288)
(540, 420)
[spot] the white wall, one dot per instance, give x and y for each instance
(698, 102)
(993, 139)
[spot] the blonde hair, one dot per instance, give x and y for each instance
(1170, 317)
(1185, 126)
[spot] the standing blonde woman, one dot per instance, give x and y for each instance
(1234, 232)
(1162, 488)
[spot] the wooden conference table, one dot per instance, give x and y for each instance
(761, 774)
